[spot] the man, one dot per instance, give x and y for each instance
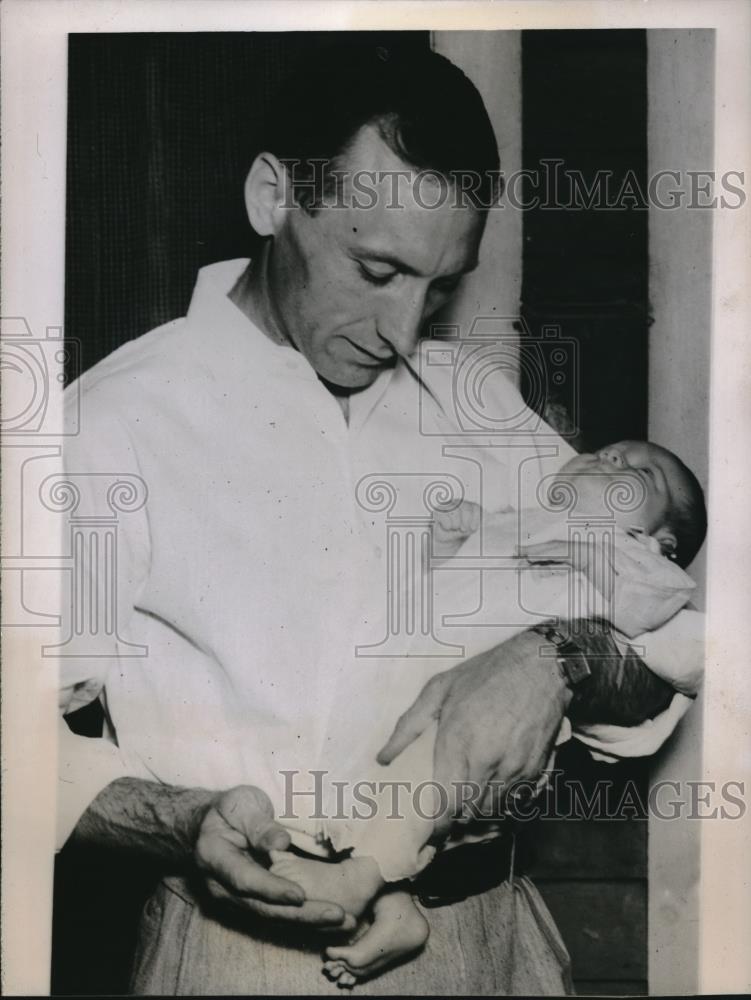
(246, 571)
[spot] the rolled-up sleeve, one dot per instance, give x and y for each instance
(675, 652)
(87, 765)
(612, 743)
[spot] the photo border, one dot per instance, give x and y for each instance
(34, 118)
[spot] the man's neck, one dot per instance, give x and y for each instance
(250, 295)
(340, 394)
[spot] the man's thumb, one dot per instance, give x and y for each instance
(425, 708)
(248, 810)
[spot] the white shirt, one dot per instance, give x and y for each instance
(251, 571)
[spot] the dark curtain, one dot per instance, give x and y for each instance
(585, 270)
(585, 287)
(162, 129)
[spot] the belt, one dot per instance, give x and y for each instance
(465, 871)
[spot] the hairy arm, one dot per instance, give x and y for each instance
(157, 820)
(225, 837)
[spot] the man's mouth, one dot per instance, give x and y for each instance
(381, 361)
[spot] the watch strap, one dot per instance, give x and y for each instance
(571, 661)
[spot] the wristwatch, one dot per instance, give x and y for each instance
(572, 663)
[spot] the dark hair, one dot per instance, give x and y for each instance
(621, 690)
(688, 520)
(426, 110)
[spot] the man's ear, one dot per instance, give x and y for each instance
(268, 194)
(668, 541)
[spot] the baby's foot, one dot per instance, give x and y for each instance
(398, 931)
(351, 883)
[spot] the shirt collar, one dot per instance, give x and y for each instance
(230, 343)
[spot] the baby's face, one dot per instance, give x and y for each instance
(661, 475)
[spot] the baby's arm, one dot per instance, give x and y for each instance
(452, 527)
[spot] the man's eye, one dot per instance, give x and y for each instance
(447, 285)
(375, 277)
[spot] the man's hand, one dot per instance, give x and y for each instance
(498, 716)
(226, 836)
(594, 559)
(237, 832)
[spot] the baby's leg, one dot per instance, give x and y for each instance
(398, 931)
(351, 883)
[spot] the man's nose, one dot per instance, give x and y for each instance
(401, 325)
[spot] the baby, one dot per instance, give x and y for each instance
(661, 531)
(630, 503)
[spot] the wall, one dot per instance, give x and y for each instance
(492, 60)
(680, 68)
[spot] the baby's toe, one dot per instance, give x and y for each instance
(357, 957)
(333, 969)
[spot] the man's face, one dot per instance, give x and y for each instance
(351, 287)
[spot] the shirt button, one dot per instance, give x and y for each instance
(378, 551)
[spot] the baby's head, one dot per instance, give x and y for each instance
(672, 508)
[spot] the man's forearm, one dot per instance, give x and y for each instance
(158, 820)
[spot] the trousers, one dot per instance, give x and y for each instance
(502, 942)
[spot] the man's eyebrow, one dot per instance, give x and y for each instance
(384, 257)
